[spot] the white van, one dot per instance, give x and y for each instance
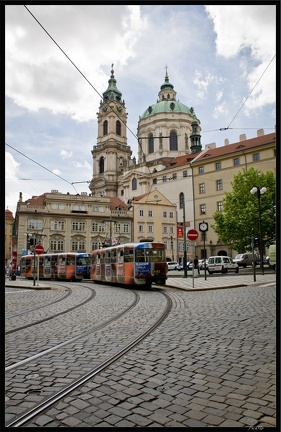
(272, 256)
(221, 264)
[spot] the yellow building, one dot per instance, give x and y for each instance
(9, 221)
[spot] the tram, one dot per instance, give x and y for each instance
(58, 266)
(130, 264)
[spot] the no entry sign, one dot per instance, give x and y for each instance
(39, 249)
(192, 235)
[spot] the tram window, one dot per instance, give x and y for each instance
(140, 255)
(113, 257)
(70, 260)
(128, 255)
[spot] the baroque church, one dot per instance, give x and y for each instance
(166, 130)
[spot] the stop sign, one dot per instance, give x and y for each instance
(192, 235)
(39, 249)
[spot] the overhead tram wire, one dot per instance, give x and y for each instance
(37, 163)
(138, 139)
(228, 127)
(76, 67)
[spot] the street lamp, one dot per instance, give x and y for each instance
(259, 191)
(182, 205)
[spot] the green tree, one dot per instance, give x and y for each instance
(238, 223)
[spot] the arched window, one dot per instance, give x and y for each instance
(151, 144)
(101, 164)
(173, 141)
(105, 127)
(134, 184)
(118, 127)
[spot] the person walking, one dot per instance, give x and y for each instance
(195, 262)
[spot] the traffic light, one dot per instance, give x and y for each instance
(256, 242)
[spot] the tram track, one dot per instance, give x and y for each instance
(62, 289)
(53, 316)
(107, 357)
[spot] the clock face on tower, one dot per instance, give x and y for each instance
(203, 226)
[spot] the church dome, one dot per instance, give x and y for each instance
(166, 107)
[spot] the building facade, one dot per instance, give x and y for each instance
(121, 205)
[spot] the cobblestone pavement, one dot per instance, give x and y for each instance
(211, 364)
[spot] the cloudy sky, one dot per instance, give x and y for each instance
(220, 58)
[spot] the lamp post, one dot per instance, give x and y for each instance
(182, 205)
(259, 191)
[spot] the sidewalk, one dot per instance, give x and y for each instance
(218, 282)
(198, 283)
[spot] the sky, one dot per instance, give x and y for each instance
(221, 60)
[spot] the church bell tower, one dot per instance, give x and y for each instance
(111, 154)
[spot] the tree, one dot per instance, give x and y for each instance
(238, 223)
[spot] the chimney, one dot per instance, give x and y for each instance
(242, 137)
(226, 141)
(260, 132)
(20, 198)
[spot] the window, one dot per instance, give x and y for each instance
(56, 246)
(256, 157)
(57, 225)
(149, 213)
(219, 206)
(78, 207)
(105, 127)
(219, 185)
(78, 226)
(174, 177)
(58, 206)
(141, 228)
(35, 224)
(202, 188)
(201, 170)
(164, 179)
(117, 227)
(77, 245)
(165, 230)
(101, 165)
(95, 227)
(134, 183)
(155, 181)
(151, 144)
(236, 161)
(171, 230)
(150, 228)
(166, 244)
(164, 214)
(95, 245)
(218, 165)
(118, 128)
(125, 228)
(171, 215)
(173, 141)
(202, 208)
(99, 209)
(184, 174)
(141, 212)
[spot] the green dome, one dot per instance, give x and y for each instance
(166, 107)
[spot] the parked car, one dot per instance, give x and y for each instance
(222, 264)
(189, 265)
(201, 264)
(172, 265)
(245, 259)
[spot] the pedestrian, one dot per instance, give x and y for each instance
(195, 262)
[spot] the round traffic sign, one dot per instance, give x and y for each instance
(192, 235)
(39, 249)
